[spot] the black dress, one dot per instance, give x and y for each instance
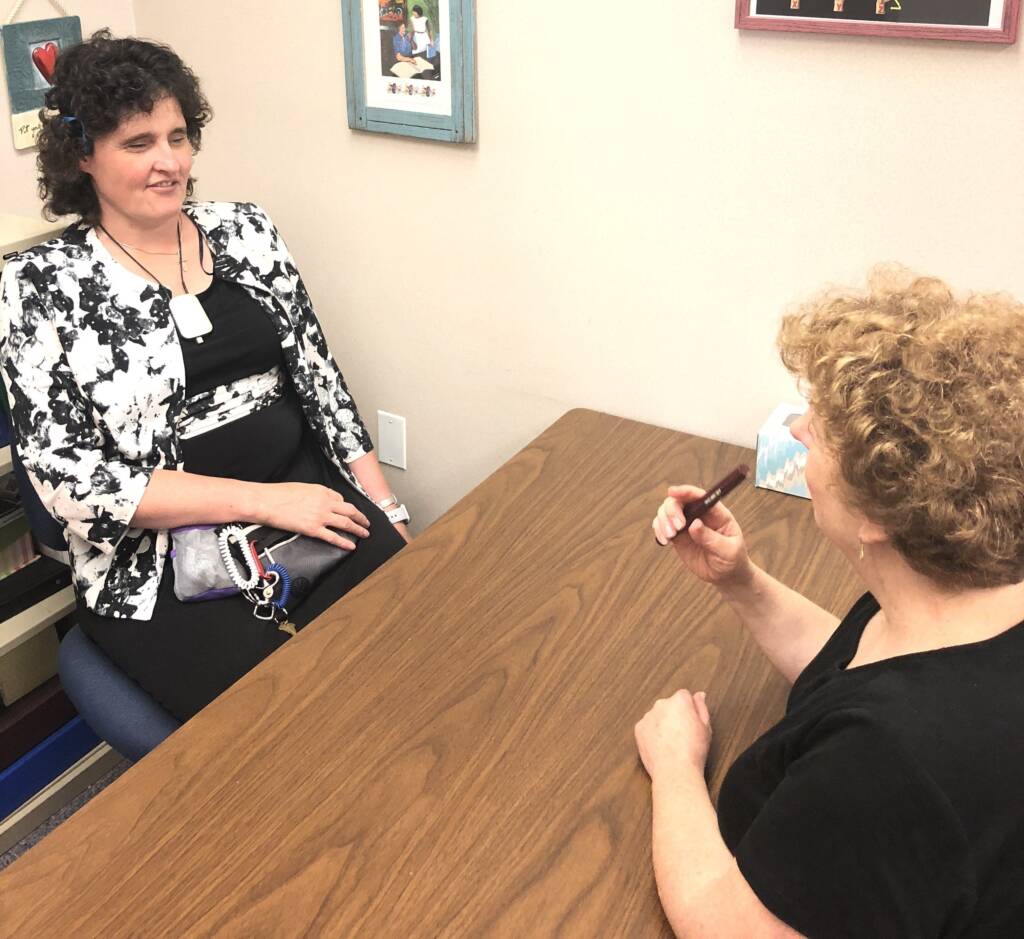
(188, 653)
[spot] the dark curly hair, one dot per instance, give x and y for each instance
(97, 85)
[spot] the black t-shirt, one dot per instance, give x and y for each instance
(889, 801)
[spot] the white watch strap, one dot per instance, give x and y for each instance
(398, 514)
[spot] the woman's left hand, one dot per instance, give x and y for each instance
(403, 531)
(675, 734)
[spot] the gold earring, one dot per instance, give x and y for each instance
(861, 549)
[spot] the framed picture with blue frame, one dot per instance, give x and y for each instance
(410, 67)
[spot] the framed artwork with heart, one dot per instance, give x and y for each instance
(410, 67)
(31, 51)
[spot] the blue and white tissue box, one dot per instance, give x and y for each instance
(781, 458)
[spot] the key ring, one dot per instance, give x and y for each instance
(268, 584)
(285, 580)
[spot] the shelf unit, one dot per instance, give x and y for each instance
(16, 234)
(23, 626)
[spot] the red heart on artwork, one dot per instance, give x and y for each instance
(45, 59)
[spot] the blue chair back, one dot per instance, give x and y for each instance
(44, 526)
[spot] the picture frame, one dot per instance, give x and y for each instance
(994, 21)
(410, 67)
(30, 53)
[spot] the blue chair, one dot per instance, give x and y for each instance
(116, 708)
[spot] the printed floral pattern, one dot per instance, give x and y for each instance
(226, 403)
(96, 384)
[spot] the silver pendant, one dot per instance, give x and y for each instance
(190, 317)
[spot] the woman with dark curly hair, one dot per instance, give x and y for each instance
(165, 369)
(889, 800)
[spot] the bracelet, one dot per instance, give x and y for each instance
(385, 504)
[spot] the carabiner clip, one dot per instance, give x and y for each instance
(271, 611)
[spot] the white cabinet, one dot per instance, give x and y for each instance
(18, 232)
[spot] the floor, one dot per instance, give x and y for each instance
(9, 857)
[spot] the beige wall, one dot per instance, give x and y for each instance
(18, 167)
(646, 197)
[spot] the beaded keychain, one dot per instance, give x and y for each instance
(256, 584)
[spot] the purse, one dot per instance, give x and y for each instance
(271, 567)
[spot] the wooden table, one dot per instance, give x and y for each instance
(449, 750)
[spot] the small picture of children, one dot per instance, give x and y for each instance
(410, 40)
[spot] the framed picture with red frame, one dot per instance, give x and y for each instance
(970, 20)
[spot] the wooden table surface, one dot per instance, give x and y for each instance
(449, 750)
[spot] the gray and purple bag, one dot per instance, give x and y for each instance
(200, 571)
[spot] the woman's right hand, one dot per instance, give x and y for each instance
(308, 509)
(712, 548)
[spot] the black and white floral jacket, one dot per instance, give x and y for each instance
(96, 384)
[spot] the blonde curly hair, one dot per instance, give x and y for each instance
(920, 395)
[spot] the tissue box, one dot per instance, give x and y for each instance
(781, 458)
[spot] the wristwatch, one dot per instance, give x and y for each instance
(393, 509)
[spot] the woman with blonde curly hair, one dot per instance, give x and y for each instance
(889, 800)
